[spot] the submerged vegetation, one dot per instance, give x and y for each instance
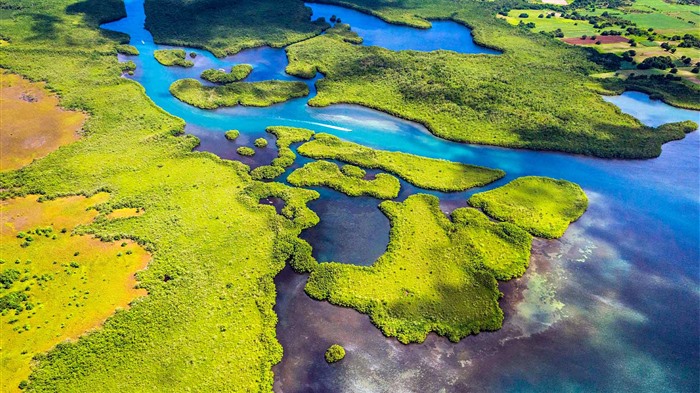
(172, 57)
(265, 93)
(285, 156)
(544, 207)
(238, 73)
(428, 173)
(324, 173)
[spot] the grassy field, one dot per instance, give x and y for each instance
(285, 156)
(544, 207)
(513, 99)
(432, 277)
(213, 246)
(172, 57)
(237, 73)
(36, 126)
(56, 286)
(323, 173)
(428, 173)
(224, 27)
(265, 93)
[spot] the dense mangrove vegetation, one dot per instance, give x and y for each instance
(224, 28)
(324, 173)
(433, 275)
(536, 94)
(265, 93)
(428, 173)
(544, 207)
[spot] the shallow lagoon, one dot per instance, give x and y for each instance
(611, 306)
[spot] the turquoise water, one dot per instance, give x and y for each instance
(612, 306)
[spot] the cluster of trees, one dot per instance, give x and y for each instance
(238, 73)
(659, 62)
(286, 136)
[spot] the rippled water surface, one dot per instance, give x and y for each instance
(611, 306)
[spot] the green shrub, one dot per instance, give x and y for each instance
(334, 353)
(260, 143)
(245, 151)
(231, 134)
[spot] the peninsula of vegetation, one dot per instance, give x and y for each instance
(428, 173)
(439, 275)
(544, 207)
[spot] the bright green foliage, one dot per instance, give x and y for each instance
(238, 73)
(324, 173)
(260, 143)
(226, 27)
(127, 50)
(207, 323)
(172, 57)
(353, 171)
(265, 93)
(436, 275)
(334, 353)
(285, 156)
(544, 207)
(231, 134)
(534, 95)
(245, 151)
(428, 173)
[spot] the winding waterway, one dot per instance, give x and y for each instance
(611, 306)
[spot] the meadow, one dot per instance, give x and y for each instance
(37, 125)
(57, 286)
(424, 172)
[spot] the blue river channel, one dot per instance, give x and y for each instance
(611, 306)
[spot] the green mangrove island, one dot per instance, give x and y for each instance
(266, 93)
